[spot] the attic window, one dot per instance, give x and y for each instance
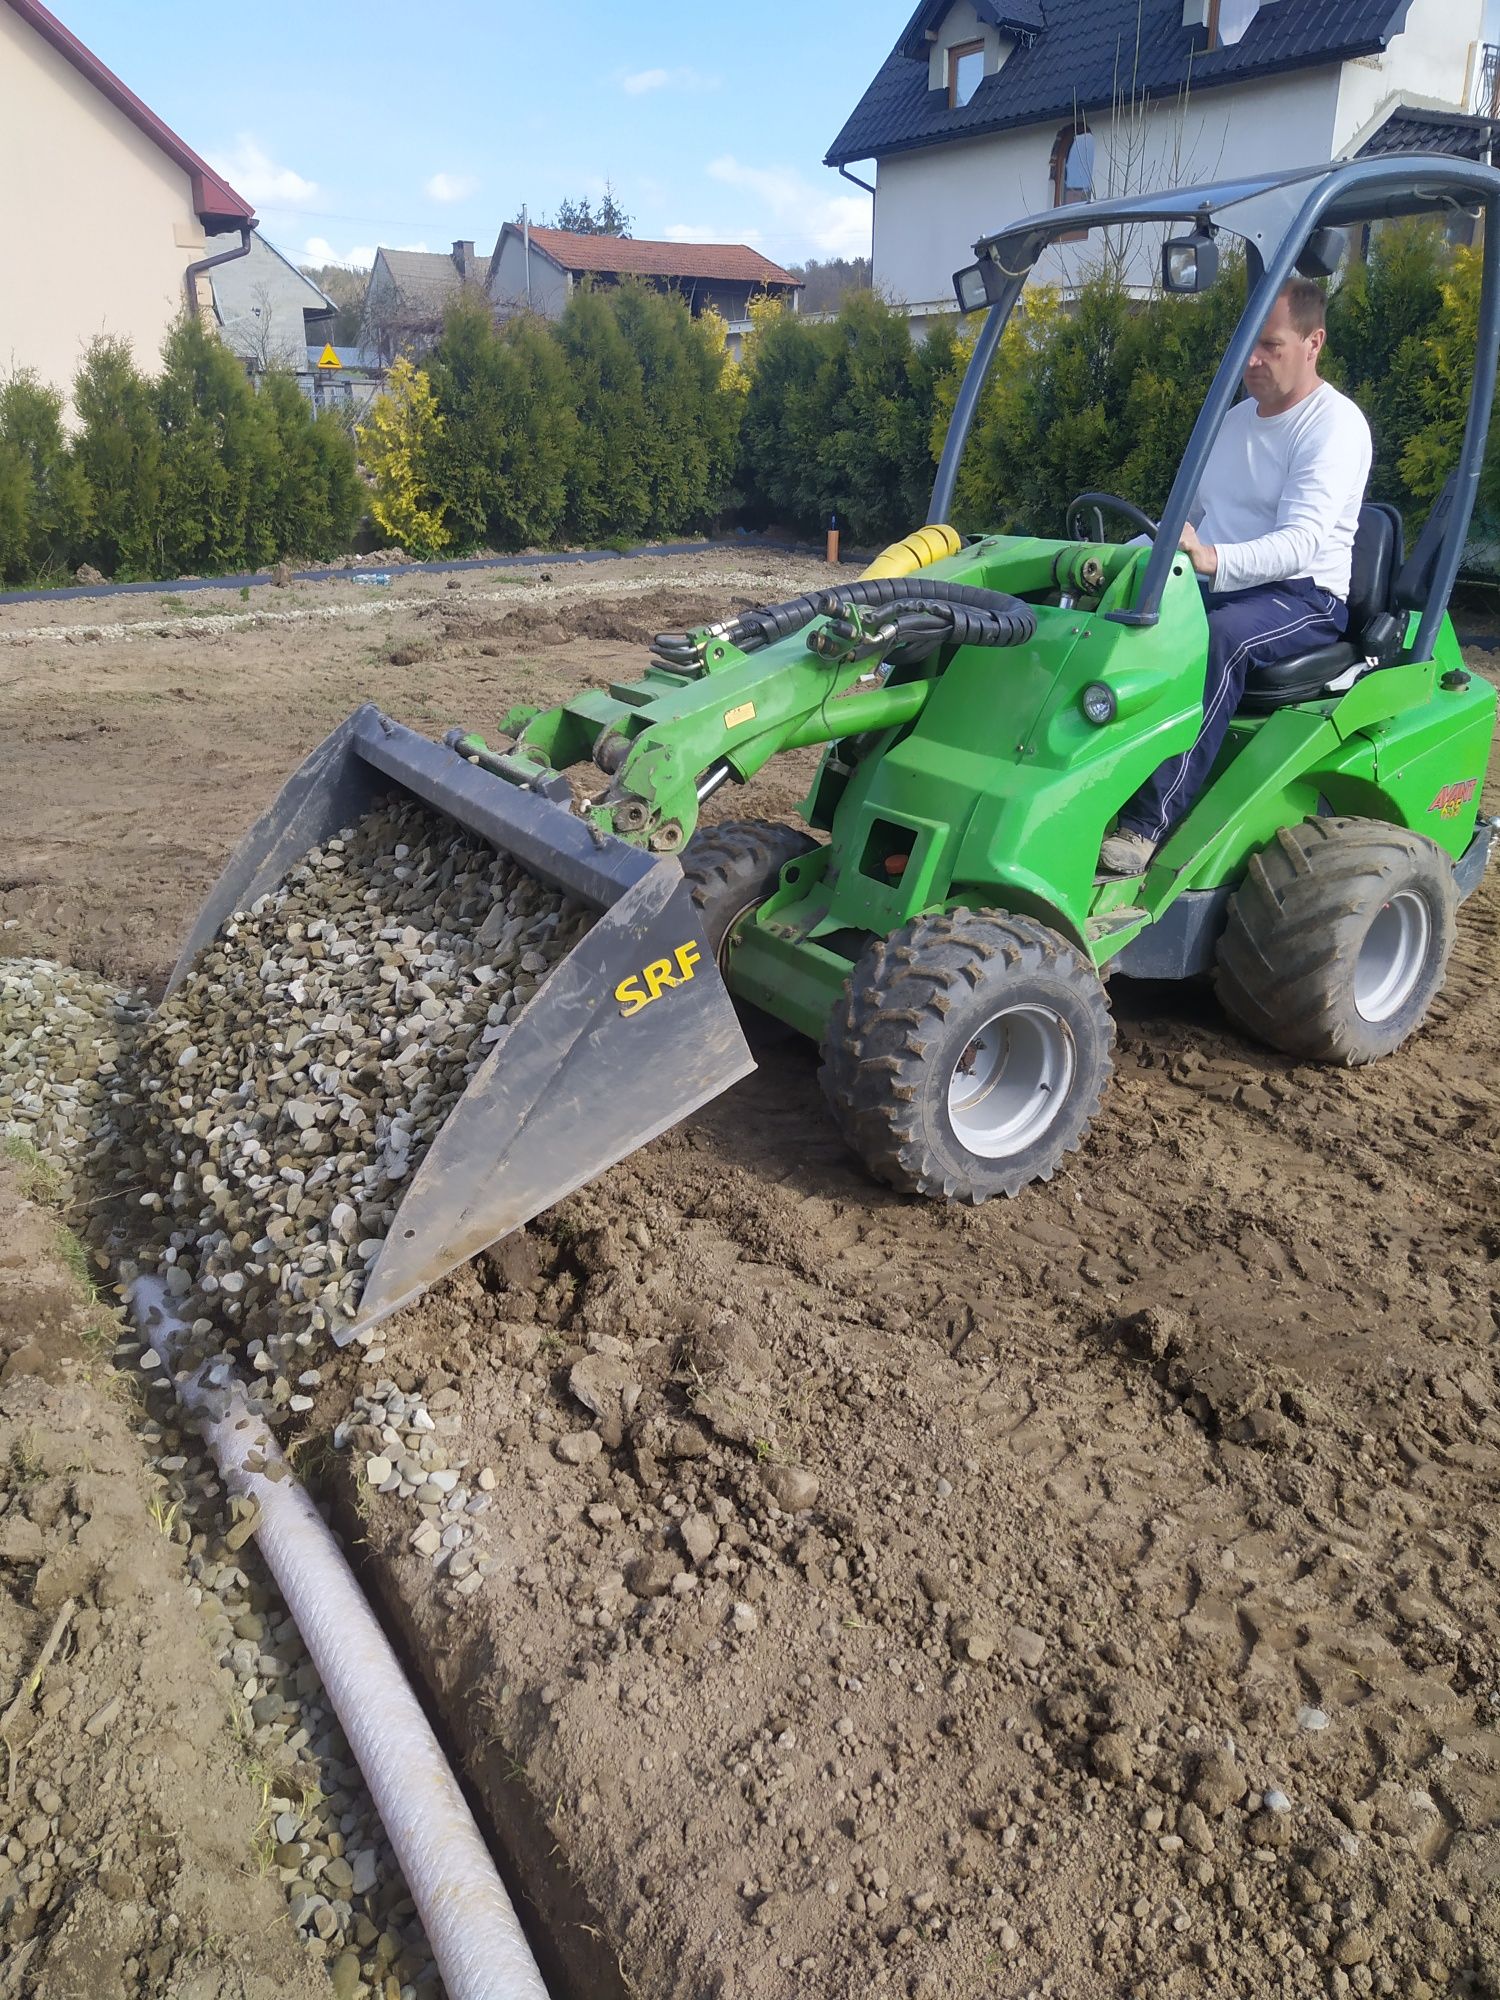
(1228, 20)
(965, 72)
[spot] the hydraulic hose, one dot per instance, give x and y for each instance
(1002, 620)
(476, 1938)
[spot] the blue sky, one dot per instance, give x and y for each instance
(349, 126)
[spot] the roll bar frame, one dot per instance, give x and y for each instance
(1274, 215)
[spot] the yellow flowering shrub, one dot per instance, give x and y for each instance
(396, 442)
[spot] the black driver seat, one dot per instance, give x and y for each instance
(1374, 634)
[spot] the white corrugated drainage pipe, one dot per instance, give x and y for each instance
(471, 1925)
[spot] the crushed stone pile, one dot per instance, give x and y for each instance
(270, 1116)
(62, 1035)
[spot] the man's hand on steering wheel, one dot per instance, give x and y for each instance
(1078, 525)
(1202, 555)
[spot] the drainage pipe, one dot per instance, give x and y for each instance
(470, 1922)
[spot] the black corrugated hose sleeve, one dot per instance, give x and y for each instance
(1001, 620)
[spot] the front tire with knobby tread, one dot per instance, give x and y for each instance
(1338, 939)
(734, 866)
(967, 995)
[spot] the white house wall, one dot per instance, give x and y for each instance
(261, 302)
(1430, 60)
(932, 206)
(507, 286)
(97, 225)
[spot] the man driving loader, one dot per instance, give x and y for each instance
(1271, 536)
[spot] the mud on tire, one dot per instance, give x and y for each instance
(968, 1055)
(1338, 939)
(735, 865)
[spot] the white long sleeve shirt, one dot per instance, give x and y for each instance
(1280, 496)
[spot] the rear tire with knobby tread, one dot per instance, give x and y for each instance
(917, 1007)
(1338, 939)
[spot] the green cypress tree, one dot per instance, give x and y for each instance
(118, 449)
(218, 459)
(49, 525)
(501, 459)
(312, 500)
(606, 478)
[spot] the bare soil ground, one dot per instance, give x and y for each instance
(130, 1817)
(1092, 1594)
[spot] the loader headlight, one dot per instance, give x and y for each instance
(1099, 703)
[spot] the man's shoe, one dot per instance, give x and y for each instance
(1126, 853)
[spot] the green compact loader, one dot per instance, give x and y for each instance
(987, 706)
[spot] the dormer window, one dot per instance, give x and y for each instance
(1228, 20)
(965, 72)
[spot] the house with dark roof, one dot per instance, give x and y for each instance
(536, 268)
(988, 110)
(110, 222)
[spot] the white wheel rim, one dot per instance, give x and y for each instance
(1392, 956)
(1011, 1081)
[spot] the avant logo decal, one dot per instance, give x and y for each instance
(1452, 799)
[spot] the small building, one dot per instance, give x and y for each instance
(409, 291)
(109, 223)
(535, 268)
(988, 110)
(268, 313)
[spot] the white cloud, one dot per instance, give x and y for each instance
(251, 171)
(450, 187)
(817, 223)
(688, 232)
(642, 80)
(359, 257)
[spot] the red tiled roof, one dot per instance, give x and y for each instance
(617, 255)
(213, 198)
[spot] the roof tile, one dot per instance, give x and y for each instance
(619, 255)
(1091, 53)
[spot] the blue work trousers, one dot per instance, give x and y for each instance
(1246, 629)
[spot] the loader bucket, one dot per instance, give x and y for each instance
(579, 1082)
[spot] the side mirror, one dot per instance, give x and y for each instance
(1322, 253)
(1189, 264)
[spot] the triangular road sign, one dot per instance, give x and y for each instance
(328, 359)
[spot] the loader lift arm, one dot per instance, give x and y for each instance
(708, 709)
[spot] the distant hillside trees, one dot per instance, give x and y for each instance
(346, 287)
(825, 281)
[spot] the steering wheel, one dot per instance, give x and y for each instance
(1081, 529)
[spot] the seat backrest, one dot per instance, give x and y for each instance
(1414, 584)
(1377, 551)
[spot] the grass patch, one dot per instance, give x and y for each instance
(75, 1260)
(26, 1467)
(38, 1179)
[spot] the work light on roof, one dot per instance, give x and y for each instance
(1189, 264)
